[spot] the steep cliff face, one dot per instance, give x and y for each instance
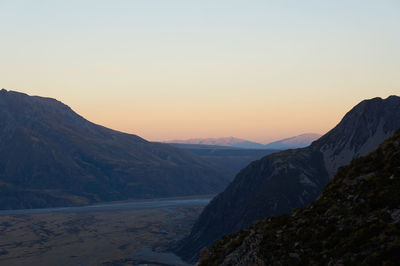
(355, 221)
(360, 131)
(290, 179)
(51, 156)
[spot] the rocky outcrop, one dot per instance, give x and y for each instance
(355, 221)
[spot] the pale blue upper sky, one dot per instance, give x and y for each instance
(168, 69)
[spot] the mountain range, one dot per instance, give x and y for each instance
(299, 141)
(289, 179)
(355, 221)
(51, 156)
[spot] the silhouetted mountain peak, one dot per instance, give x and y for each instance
(290, 179)
(51, 156)
(360, 130)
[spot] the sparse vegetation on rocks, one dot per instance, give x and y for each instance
(356, 221)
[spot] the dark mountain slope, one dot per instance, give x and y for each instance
(290, 179)
(356, 221)
(50, 156)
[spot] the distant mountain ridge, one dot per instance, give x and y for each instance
(50, 156)
(355, 221)
(299, 141)
(227, 141)
(282, 181)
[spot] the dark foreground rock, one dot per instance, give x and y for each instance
(356, 221)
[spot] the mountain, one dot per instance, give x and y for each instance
(50, 156)
(231, 159)
(299, 141)
(289, 179)
(355, 221)
(229, 141)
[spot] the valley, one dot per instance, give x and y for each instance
(104, 234)
(199, 133)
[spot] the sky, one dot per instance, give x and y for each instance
(255, 69)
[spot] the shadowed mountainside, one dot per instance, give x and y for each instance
(282, 181)
(50, 156)
(355, 221)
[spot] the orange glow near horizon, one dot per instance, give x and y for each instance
(256, 123)
(187, 69)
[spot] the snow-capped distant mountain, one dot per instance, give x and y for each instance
(299, 141)
(228, 141)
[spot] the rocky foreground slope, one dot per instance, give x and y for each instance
(282, 181)
(355, 221)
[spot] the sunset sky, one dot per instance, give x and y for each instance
(259, 70)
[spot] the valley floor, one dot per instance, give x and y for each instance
(126, 234)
